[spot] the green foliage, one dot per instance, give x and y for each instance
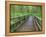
(37, 11)
(18, 11)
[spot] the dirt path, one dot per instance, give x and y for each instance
(27, 26)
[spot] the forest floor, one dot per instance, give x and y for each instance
(27, 26)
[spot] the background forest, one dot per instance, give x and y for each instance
(20, 13)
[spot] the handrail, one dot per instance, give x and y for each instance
(37, 23)
(19, 19)
(20, 23)
(38, 19)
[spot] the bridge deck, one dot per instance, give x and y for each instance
(27, 26)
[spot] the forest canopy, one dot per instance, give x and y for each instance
(22, 10)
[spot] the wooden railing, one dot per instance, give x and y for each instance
(37, 22)
(17, 22)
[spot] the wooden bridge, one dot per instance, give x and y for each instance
(27, 26)
(31, 24)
